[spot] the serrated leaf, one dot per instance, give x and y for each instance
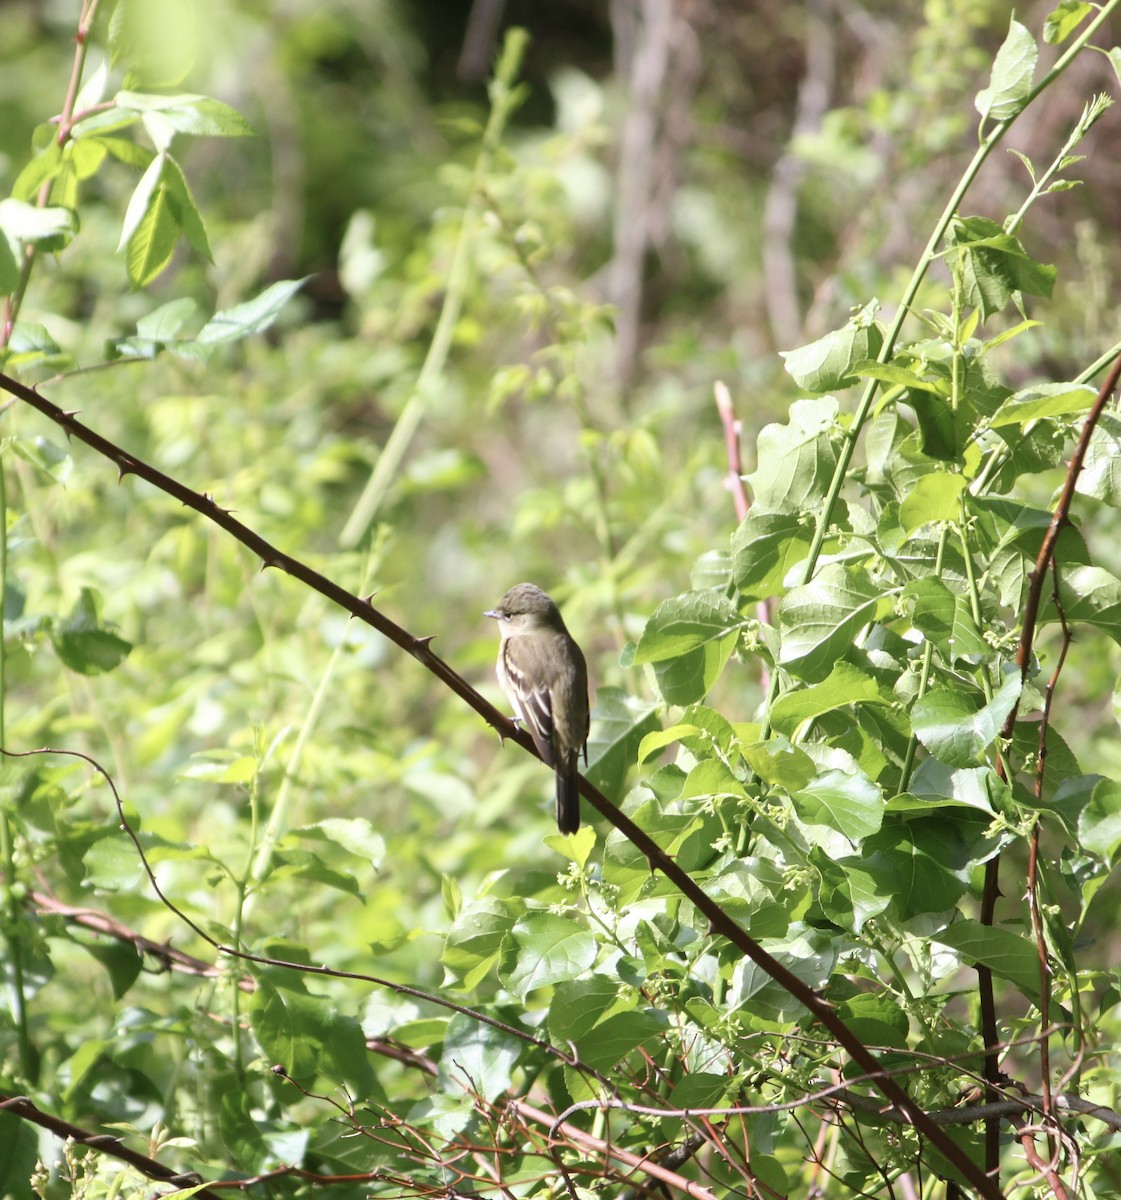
(254, 316)
(994, 265)
(689, 639)
(1091, 596)
(478, 1058)
(475, 938)
(1100, 476)
(778, 762)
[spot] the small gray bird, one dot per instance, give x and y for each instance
(545, 678)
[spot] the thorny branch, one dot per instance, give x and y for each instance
(419, 648)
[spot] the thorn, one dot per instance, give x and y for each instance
(270, 562)
(424, 642)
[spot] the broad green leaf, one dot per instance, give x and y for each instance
(994, 265)
(619, 724)
(955, 728)
(796, 460)
(777, 762)
(478, 1058)
(1099, 823)
(936, 785)
(809, 954)
(895, 373)
(475, 939)
(1100, 476)
(1044, 400)
(827, 364)
(186, 113)
(1090, 596)
(221, 766)
(254, 316)
(1010, 82)
(542, 949)
(944, 617)
(617, 1035)
(84, 643)
(921, 865)
(354, 834)
(766, 548)
(1005, 953)
(819, 621)
(23, 224)
(935, 498)
(579, 1004)
(858, 896)
(845, 685)
(45, 166)
(304, 1034)
(851, 804)
(689, 639)
(1064, 20)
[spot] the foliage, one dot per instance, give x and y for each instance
(277, 914)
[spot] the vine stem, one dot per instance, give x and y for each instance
(504, 99)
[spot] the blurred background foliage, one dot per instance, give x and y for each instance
(677, 197)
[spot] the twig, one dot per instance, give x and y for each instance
(103, 1143)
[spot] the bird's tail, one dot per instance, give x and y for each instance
(568, 795)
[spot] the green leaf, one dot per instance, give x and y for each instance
(1100, 476)
(777, 762)
(921, 865)
(304, 1034)
(620, 723)
(1012, 74)
(188, 113)
(819, 622)
(1063, 21)
(766, 548)
(958, 732)
(934, 499)
(478, 1058)
(944, 618)
(809, 954)
(542, 949)
(1090, 596)
(1005, 953)
(994, 265)
(51, 228)
(851, 804)
(84, 643)
(689, 638)
(475, 939)
(254, 316)
(1099, 823)
(1044, 400)
(845, 685)
(796, 460)
(355, 835)
(827, 364)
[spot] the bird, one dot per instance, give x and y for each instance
(545, 678)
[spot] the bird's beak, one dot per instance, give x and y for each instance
(491, 613)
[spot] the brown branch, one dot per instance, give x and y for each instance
(719, 920)
(1043, 563)
(103, 1143)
